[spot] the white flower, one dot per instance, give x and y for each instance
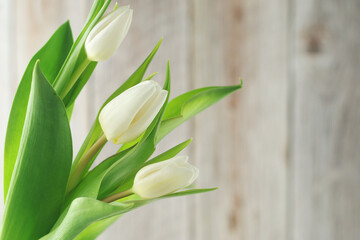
(158, 179)
(108, 33)
(128, 115)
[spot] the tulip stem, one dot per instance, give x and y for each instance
(117, 196)
(74, 77)
(76, 175)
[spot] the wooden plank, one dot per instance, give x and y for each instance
(326, 134)
(240, 145)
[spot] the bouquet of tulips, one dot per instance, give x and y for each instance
(50, 195)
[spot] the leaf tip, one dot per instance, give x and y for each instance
(151, 76)
(157, 45)
(167, 78)
(36, 69)
(241, 82)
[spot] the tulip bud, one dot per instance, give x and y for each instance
(128, 115)
(158, 179)
(108, 34)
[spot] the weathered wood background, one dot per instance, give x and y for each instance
(284, 151)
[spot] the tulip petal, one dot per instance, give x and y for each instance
(147, 115)
(108, 34)
(162, 178)
(117, 115)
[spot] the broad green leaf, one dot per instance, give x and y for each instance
(81, 213)
(96, 131)
(187, 105)
(119, 172)
(52, 55)
(37, 188)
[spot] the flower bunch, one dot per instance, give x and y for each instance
(51, 195)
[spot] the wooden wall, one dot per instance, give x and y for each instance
(284, 151)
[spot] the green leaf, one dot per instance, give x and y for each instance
(189, 192)
(119, 171)
(69, 111)
(172, 152)
(96, 131)
(187, 105)
(90, 185)
(42, 167)
(81, 213)
(138, 201)
(96, 228)
(52, 56)
(136, 77)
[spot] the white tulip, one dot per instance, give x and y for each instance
(108, 33)
(128, 115)
(159, 179)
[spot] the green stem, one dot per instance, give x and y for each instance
(117, 196)
(76, 175)
(64, 89)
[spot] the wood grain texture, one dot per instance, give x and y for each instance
(240, 144)
(326, 132)
(283, 150)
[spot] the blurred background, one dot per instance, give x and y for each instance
(284, 150)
